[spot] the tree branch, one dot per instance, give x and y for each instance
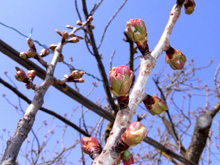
(200, 135)
(99, 62)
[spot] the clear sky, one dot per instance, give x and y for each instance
(196, 35)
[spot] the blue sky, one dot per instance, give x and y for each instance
(197, 36)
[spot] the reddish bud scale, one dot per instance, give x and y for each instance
(154, 104)
(61, 58)
(123, 101)
(120, 146)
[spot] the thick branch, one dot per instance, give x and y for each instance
(25, 125)
(200, 135)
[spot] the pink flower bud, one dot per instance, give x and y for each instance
(136, 31)
(44, 52)
(90, 18)
(73, 40)
(52, 47)
(30, 43)
(65, 35)
(79, 22)
(23, 55)
(154, 105)
(20, 75)
(90, 145)
(120, 79)
(31, 53)
(31, 74)
(189, 6)
(134, 134)
(127, 158)
(175, 58)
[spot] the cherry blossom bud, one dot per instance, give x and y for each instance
(136, 31)
(79, 22)
(120, 79)
(65, 35)
(23, 55)
(189, 6)
(58, 32)
(20, 75)
(31, 44)
(73, 40)
(52, 47)
(90, 18)
(61, 58)
(31, 53)
(44, 52)
(175, 58)
(134, 134)
(154, 105)
(31, 74)
(90, 145)
(77, 74)
(127, 158)
(69, 27)
(80, 80)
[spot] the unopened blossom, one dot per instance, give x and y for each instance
(120, 79)
(136, 31)
(90, 146)
(189, 6)
(30, 43)
(44, 52)
(127, 158)
(134, 134)
(31, 53)
(20, 75)
(31, 74)
(175, 58)
(154, 105)
(23, 55)
(77, 74)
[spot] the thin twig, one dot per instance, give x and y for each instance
(109, 22)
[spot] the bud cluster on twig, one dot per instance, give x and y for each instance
(26, 78)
